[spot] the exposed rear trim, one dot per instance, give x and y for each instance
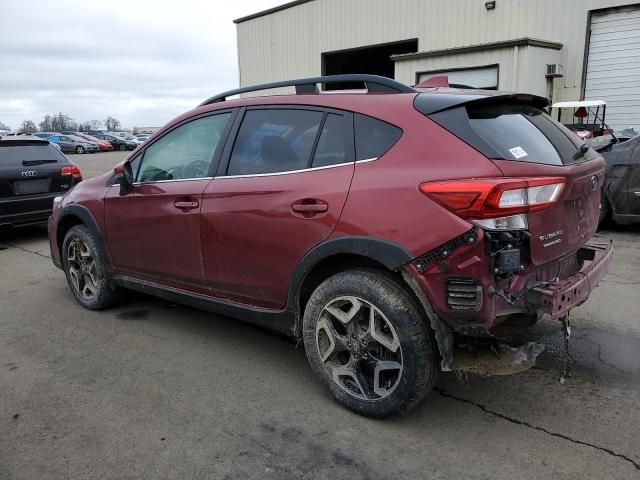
(280, 321)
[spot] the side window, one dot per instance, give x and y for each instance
(135, 164)
(274, 140)
(331, 144)
(185, 152)
(374, 137)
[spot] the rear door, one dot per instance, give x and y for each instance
(279, 193)
(523, 141)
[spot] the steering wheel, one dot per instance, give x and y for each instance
(196, 169)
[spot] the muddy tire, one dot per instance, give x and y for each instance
(367, 341)
(84, 266)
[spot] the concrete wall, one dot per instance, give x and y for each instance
(289, 43)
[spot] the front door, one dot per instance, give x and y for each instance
(154, 232)
(279, 192)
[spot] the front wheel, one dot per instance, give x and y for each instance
(367, 341)
(79, 149)
(84, 267)
(123, 147)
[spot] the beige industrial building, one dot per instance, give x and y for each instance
(564, 48)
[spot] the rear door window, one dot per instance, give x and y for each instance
(374, 137)
(274, 140)
(331, 148)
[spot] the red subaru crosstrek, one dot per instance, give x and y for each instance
(382, 227)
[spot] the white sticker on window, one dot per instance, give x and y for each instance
(518, 152)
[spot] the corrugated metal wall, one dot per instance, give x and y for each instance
(289, 43)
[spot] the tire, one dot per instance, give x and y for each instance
(605, 211)
(84, 266)
(123, 147)
(350, 367)
(79, 149)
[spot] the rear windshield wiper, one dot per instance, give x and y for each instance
(584, 148)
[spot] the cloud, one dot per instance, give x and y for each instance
(143, 62)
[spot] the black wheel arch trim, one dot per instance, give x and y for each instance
(389, 254)
(85, 215)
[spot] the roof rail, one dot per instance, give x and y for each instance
(373, 83)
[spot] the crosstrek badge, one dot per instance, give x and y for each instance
(518, 152)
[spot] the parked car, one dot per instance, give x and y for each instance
(103, 145)
(72, 144)
(382, 229)
(116, 142)
(32, 173)
(620, 200)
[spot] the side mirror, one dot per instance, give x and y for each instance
(125, 177)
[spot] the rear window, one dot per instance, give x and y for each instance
(513, 132)
(29, 155)
(374, 137)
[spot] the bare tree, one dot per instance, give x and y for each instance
(96, 124)
(112, 124)
(4, 126)
(28, 127)
(46, 125)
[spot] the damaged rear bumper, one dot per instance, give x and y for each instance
(559, 297)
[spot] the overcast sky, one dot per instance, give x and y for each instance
(141, 61)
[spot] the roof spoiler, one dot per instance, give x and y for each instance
(430, 103)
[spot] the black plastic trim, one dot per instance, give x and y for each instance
(280, 321)
(85, 215)
(387, 253)
(373, 83)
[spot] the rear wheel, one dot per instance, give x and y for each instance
(367, 341)
(84, 267)
(79, 149)
(123, 147)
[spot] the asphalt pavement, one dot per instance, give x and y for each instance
(151, 389)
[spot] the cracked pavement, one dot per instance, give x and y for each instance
(154, 390)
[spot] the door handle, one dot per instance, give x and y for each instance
(316, 207)
(186, 205)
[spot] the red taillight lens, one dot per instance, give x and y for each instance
(71, 170)
(482, 198)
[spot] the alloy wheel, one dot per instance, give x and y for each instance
(83, 269)
(359, 348)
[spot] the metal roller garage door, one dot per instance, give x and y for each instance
(613, 65)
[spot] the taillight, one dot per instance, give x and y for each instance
(496, 203)
(71, 170)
